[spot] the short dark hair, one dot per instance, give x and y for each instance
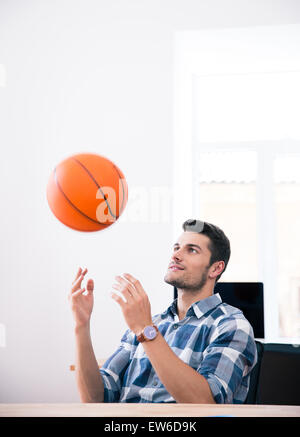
(219, 245)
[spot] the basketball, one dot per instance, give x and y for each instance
(87, 192)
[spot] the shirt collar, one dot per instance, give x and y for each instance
(198, 308)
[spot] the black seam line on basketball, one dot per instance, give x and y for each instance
(72, 204)
(92, 177)
(120, 179)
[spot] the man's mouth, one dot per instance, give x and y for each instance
(175, 267)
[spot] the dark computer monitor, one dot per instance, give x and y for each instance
(248, 297)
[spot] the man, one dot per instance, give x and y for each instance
(200, 350)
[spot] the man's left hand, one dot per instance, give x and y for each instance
(136, 309)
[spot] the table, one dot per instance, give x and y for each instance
(145, 410)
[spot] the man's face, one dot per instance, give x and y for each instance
(189, 264)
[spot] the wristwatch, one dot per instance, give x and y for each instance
(149, 333)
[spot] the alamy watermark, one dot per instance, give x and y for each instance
(144, 204)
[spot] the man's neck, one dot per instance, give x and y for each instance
(186, 298)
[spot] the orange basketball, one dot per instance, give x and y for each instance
(87, 192)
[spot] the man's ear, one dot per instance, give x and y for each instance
(216, 269)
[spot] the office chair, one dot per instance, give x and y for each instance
(279, 379)
(255, 375)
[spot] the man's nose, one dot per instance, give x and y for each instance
(177, 255)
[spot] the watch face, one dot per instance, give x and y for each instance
(150, 332)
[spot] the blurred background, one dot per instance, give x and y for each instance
(197, 102)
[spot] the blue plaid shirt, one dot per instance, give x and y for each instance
(214, 338)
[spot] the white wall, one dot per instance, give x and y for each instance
(93, 76)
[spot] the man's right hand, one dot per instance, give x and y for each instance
(81, 304)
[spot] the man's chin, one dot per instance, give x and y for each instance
(172, 281)
(180, 284)
(168, 280)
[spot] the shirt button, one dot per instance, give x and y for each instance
(155, 383)
(175, 326)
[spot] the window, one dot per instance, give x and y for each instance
(236, 155)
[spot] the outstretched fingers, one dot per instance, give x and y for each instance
(135, 283)
(123, 287)
(118, 299)
(78, 280)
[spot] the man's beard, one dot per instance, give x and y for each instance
(190, 286)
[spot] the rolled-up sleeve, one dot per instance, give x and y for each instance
(228, 360)
(114, 368)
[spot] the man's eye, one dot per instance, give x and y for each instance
(191, 248)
